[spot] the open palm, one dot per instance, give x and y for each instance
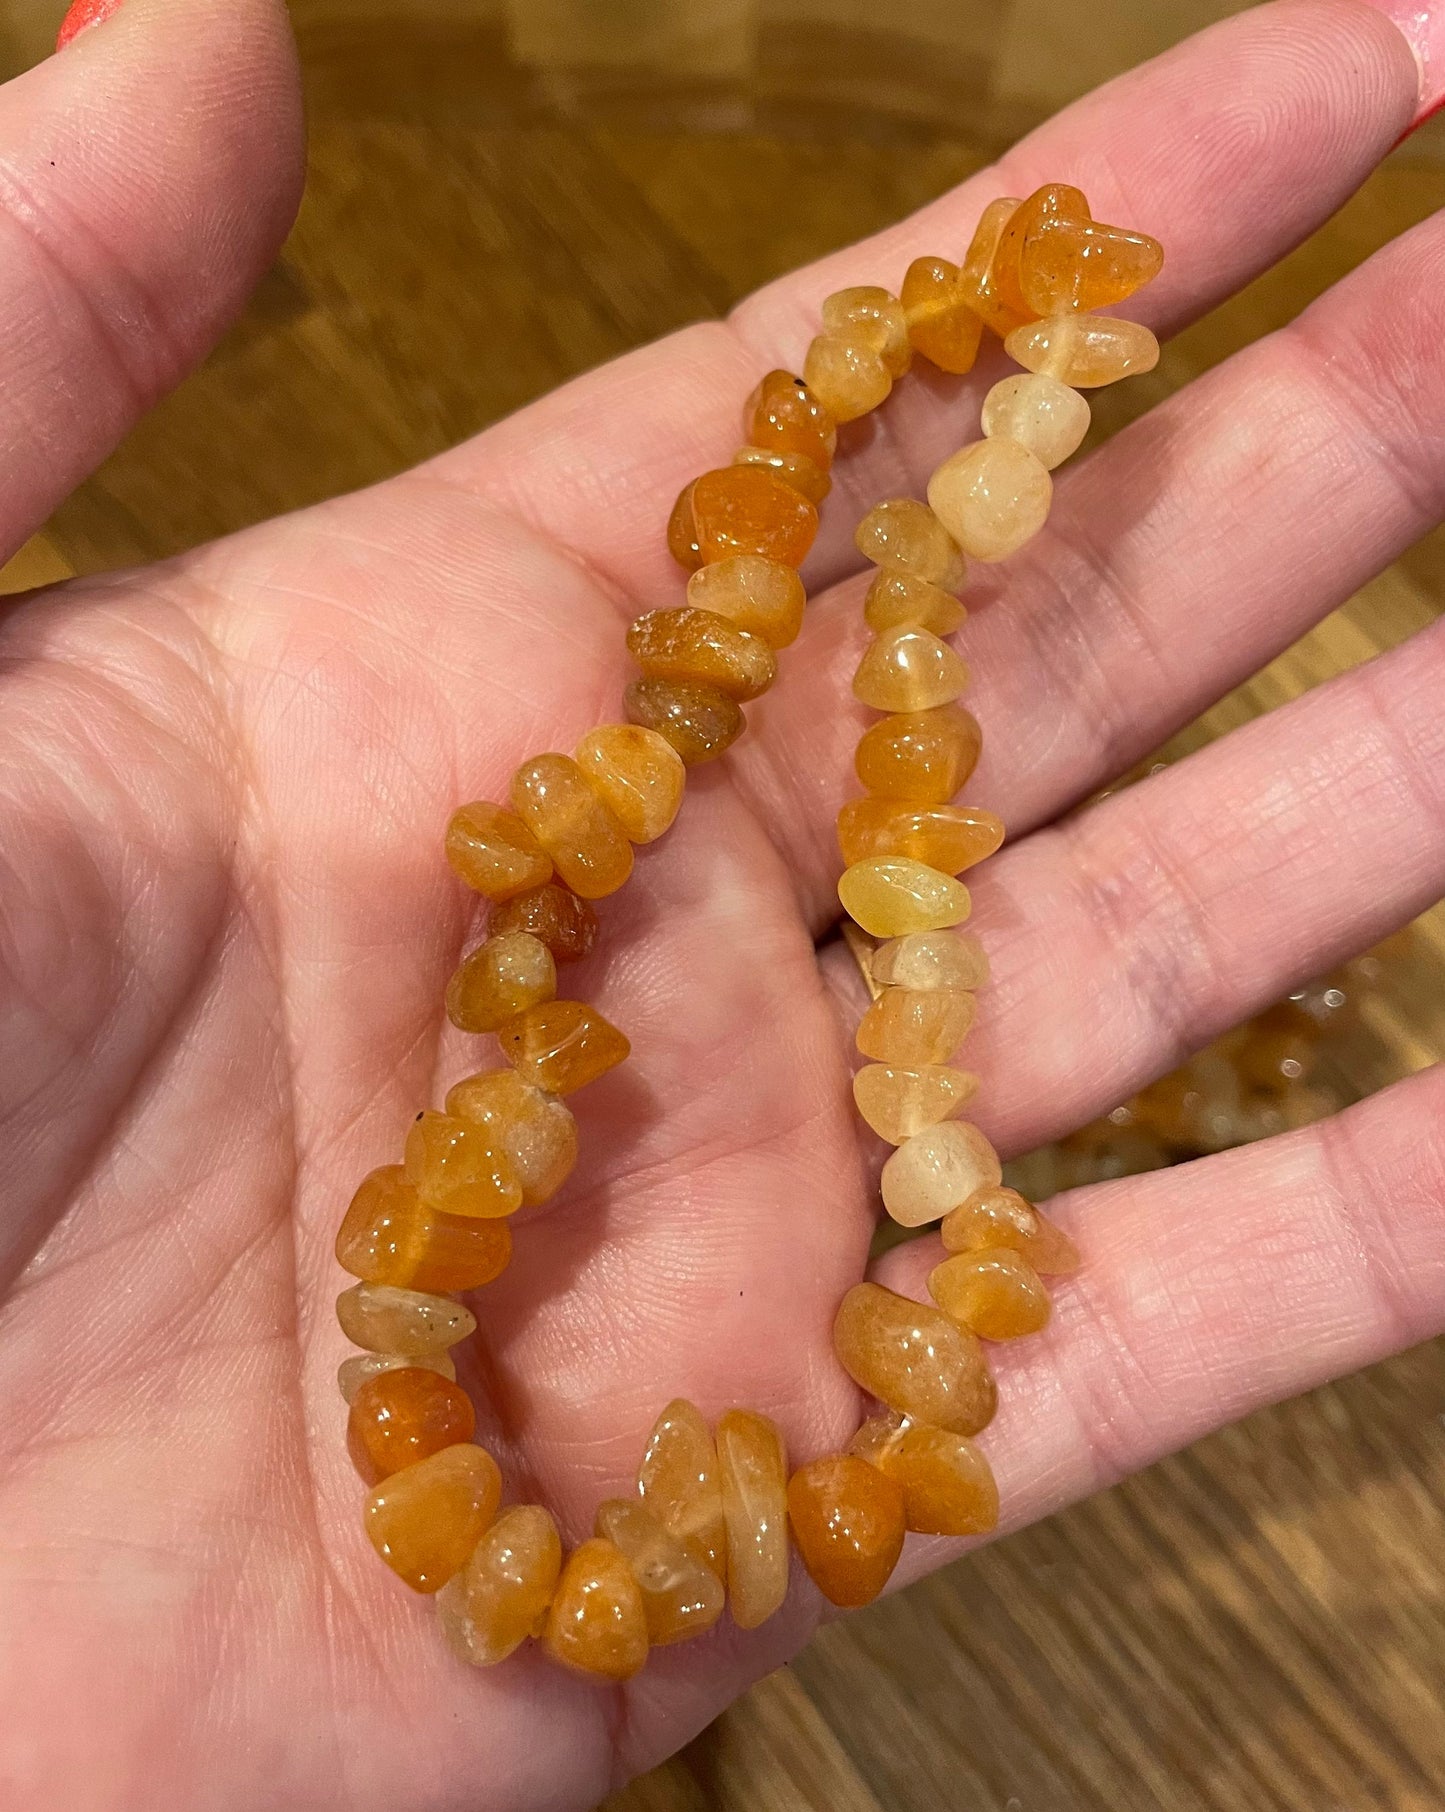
(225, 924)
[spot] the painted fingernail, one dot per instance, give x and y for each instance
(1423, 23)
(82, 16)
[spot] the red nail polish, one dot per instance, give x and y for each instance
(1423, 24)
(82, 15)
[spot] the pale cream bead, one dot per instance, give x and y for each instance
(1038, 412)
(847, 377)
(992, 497)
(753, 1473)
(355, 1371)
(909, 669)
(387, 1319)
(898, 1100)
(904, 534)
(890, 896)
(937, 1169)
(874, 317)
(931, 959)
(1084, 351)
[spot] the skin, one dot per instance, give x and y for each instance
(225, 924)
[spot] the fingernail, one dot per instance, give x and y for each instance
(1423, 24)
(82, 15)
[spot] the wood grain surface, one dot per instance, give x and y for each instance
(505, 192)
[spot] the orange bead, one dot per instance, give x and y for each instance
(494, 852)
(405, 1415)
(847, 1520)
(873, 318)
(908, 669)
(562, 1045)
(425, 1520)
(1056, 202)
(535, 1132)
(762, 596)
(597, 1624)
(941, 324)
(490, 1608)
(922, 756)
(950, 838)
(996, 1217)
(699, 721)
(847, 376)
(753, 1471)
(678, 1482)
(995, 1293)
(702, 648)
(749, 510)
(554, 916)
(391, 1236)
(570, 821)
(682, 541)
(895, 599)
(915, 1359)
(795, 469)
(501, 978)
(911, 1026)
(681, 1595)
(1068, 265)
(947, 1486)
(978, 278)
(638, 775)
(783, 415)
(898, 1101)
(458, 1168)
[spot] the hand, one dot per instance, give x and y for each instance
(227, 924)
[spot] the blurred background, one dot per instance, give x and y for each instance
(505, 192)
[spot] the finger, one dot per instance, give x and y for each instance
(148, 175)
(1284, 110)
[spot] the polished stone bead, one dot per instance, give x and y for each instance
(750, 510)
(912, 1357)
(992, 497)
(848, 377)
(1055, 201)
(753, 1473)
(502, 1595)
(699, 721)
(898, 1101)
(1084, 351)
(978, 279)
(596, 1623)
(904, 535)
(459, 1168)
(891, 895)
(1068, 265)
(922, 756)
(848, 1523)
(931, 959)
(941, 324)
(425, 1521)
(782, 414)
(637, 774)
(897, 598)
(536, 1132)
(994, 1293)
(937, 1169)
(1039, 413)
(994, 1217)
(385, 1319)
(796, 469)
(682, 539)
(872, 317)
(681, 1595)
(678, 1481)
(704, 649)
(354, 1372)
(948, 1488)
(552, 914)
(391, 1236)
(567, 817)
(908, 669)
(494, 852)
(562, 1045)
(949, 838)
(402, 1416)
(501, 978)
(761, 596)
(915, 1026)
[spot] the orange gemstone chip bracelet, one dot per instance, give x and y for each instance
(714, 1508)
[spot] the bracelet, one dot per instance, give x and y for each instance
(714, 1506)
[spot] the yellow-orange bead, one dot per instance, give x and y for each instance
(1084, 351)
(596, 1623)
(873, 318)
(795, 469)
(891, 895)
(992, 497)
(1056, 201)
(1068, 265)
(678, 1482)
(908, 669)
(425, 1521)
(912, 1357)
(949, 838)
(681, 1595)
(904, 535)
(898, 1101)
(848, 377)
(562, 1045)
(501, 978)
(405, 1415)
(682, 541)
(1039, 413)
(978, 279)
(914, 1026)
(941, 324)
(637, 774)
(761, 596)
(753, 1472)
(897, 598)
(937, 1169)
(931, 959)
(947, 1486)
(391, 1236)
(586, 843)
(701, 648)
(750, 510)
(994, 1217)
(494, 852)
(535, 1132)
(458, 1168)
(554, 916)
(995, 1293)
(847, 1522)
(782, 414)
(699, 721)
(923, 756)
(387, 1319)
(490, 1608)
